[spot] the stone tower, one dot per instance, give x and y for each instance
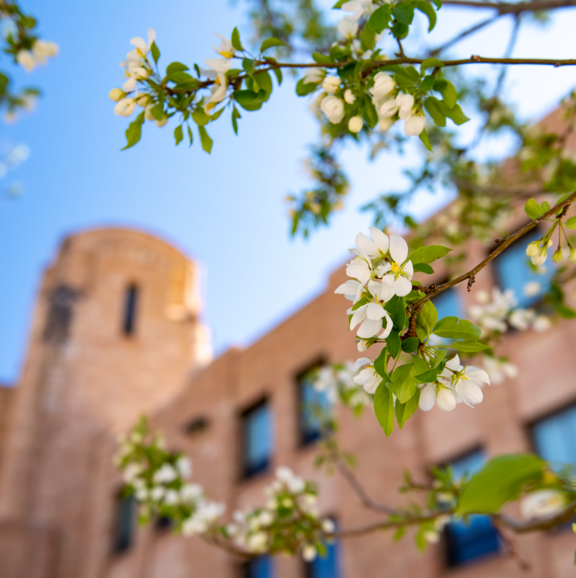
(114, 334)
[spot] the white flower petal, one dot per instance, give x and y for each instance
(360, 362)
(348, 288)
(380, 239)
(454, 363)
(369, 328)
(402, 286)
(427, 397)
(408, 269)
(387, 291)
(477, 375)
(366, 245)
(398, 248)
(445, 399)
(388, 329)
(375, 312)
(469, 391)
(140, 43)
(358, 316)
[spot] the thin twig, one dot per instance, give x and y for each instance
(508, 8)
(464, 34)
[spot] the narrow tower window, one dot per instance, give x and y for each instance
(130, 305)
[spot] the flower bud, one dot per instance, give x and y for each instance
(162, 122)
(309, 553)
(349, 96)
(148, 113)
(142, 100)
(385, 123)
(573, 254)
(557, 257)
(331, 84)
(355, 124)
(116, 94)
(533, 249)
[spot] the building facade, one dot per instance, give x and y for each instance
(116, 334)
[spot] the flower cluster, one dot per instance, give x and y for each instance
(158, 481)
(339, 383)
(289, 522)
(39, 53)
(379, 271)
(456, 384)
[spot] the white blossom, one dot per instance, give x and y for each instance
(532, 288)
(225, 48)
(333, 108)
(309, 552)
(542, 504)
(165, 474)
(355, 124)
(26, 60)
(314, 75)
(184, 467)
(358, 8)
(348, 27)
(125, 107)
(368, 378)
(331, 84)
(414, 125)
(466, 381)
(398, 274)
(370, 317)
(383, 85)
(349, 96)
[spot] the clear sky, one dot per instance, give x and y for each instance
(226, 209)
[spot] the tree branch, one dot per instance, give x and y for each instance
(507, 8)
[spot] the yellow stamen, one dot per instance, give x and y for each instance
(395, 268)
(227, 54)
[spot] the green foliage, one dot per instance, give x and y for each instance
(404, 411)
(570, 223)
(428, 254)
(205, 139)
(427, 317)
(384, 408)
(270, 42)
(404, 382)
(235, 39)
(380, 18)
(134, 131)
(178, 134)
(534, 210)
(454, 328)
(498, 482)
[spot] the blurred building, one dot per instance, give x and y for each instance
(116, 334)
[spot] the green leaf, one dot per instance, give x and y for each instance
(190, 135)
(469, 346)
(380, 364)
(423, 268)
(425, 139)
(420, 366)
(264, 81)
(427, 317)
(448, 92)
(427, 9)
(533, 210)
(200, 117)
(404, 411)
(278, 73)
(157, 111)
(270, 42)
(368, 38)
(380, 18)
(339, 4)
(205, 139)
(134, 131)
(155, 52)
(431, 63)
(566, 312)
(454, 328)
(457, 116)
(428, 254)
(305, 89)
(321, 58)
(384, 408)
(393, 344)
(431, 375)
(235, 116)
(236, 40)
(369, 113)
(410, 345)
(248, 99)
(397, 310)
(427, 83)
(175, 67)
(403, 12)
(178, 134)
(182, 78)
(404, 382)
(431, 104)
(498, 482)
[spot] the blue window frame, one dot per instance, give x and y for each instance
(554, 437)
(261, 567)
(514, 272)
(327, 566)
(257, 442)
(124, 524)
(310, 403)
(466, 542)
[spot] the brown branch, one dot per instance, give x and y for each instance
(503, 245)
(507, 8)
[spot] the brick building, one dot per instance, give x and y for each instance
(115, 334)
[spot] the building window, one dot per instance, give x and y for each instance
(261, 567)
(197, 426)
(130, 307)
(257, 441)
(313, 408)
(515, 272)
(327, 566)
(124, 524)
(554, 437)
(476, 538)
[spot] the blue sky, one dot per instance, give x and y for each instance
(226, 209)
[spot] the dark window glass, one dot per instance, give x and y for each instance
(514, 271)
(312, 406)
(325, 567)
(477, 538)
(124, 524)
(257, 439)
(163, 524)
(130, 306)
(554, 437)
(261, 567)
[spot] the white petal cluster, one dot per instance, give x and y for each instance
(402, 105)
(368, 378)
(356, 9)
(543, 504)
(41, 51)
(456, 384)
(217, 69)
(379, 271)
(337, 382)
